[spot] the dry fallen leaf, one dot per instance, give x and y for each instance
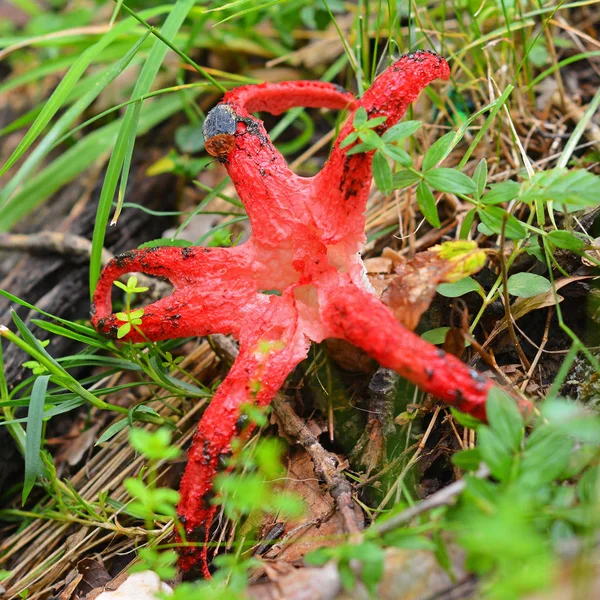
(327, 528)
(410, 293)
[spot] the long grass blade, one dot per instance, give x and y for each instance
(33, 440)
(56, 101)
(69, 116)
(127, 129)
(77, 159)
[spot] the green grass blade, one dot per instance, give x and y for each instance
(67, 119)
(57, 99)
(128, 128)
(137, 107)
(76, 160)
(33, 440)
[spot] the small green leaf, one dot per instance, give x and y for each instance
(123, 330)
(403, 179)
(464, 419)
(575, 188)
(467, 223)
(436, 336)
(438, 151)
(501, 192)
(398, 155)
(480, 177)
(359, 148)
(371, 138)
(111, 431)
(459, 288)
(450, 181)
(527, 285)
(493, 218)
(382, 173)
(467, 460)
(349, 139)
(121, 285)
(566, 240)
(375, 122)
(360, 117)
(546, 456)
(426, 202)
(504, 418)
(401, 131)
(495, 453)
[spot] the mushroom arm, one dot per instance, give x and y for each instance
(255, 377)
(345, 180)
(361, 319)
(213, 291)
(276, 98)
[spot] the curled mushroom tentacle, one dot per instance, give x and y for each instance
(207, 282)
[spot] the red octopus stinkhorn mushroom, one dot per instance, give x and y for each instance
(305, 243)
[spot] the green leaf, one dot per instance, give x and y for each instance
(398, 155)
(359, 148)
(349, 139)
(527, 285)
(467, 460)
(501, 192)
(493, 218)
(111, 431)
(436, 336)
(360, 117)
(546, 456)
(450, 181)
(403, 179)
(438, 151)
(189, 138)
(34, 467)
(576, 189)
(464, 419)
(371, 138)
(504, 418)
(467, 223)
(566, 240)
(401, 131)
(459, 288)
(382, 173)
(495, 453)
(426, 202)
(123, 330)
(372, 558)
(375, 122)
(480, 177)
